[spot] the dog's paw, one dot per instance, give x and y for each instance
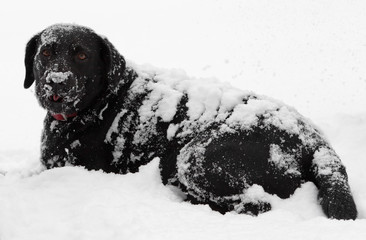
(253, 208)
(338, 204)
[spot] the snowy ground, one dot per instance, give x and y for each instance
(309, 54)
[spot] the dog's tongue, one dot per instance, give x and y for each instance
(55, 98)
(63, 117)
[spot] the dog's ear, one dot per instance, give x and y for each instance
(114, 64)
(30, 52)
(106, 54)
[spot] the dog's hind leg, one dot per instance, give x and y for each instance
(222, 171)
(331, 178)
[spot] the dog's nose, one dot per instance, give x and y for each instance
(58, 77)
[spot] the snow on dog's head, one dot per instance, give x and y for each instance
(63, 60)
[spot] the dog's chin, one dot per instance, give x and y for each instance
(58, 105)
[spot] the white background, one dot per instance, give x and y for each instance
(309, 54)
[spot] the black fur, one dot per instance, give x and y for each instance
(114, 122)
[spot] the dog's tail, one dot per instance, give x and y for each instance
(331, 178)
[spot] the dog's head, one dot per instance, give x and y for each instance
(72, 67)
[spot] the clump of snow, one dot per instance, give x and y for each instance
(283, 161)
(48, 91)
(326, 160)
(58, 77)
(286, 117)
(114, 126)
(246, 114)
(100, 116)
(119, 141)
(255, 194)
(53, 125)
(162, 102)
(172, 129)
(75, 144)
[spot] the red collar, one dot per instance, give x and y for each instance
(63, 117)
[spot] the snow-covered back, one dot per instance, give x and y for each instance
(213, 100)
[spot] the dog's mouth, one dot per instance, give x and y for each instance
(57, 101)
(56, 98)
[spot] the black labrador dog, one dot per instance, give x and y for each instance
(214, 142)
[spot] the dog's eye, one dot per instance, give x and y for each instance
(46, 53)
(82, 56)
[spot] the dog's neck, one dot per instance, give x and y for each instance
(101, 103)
